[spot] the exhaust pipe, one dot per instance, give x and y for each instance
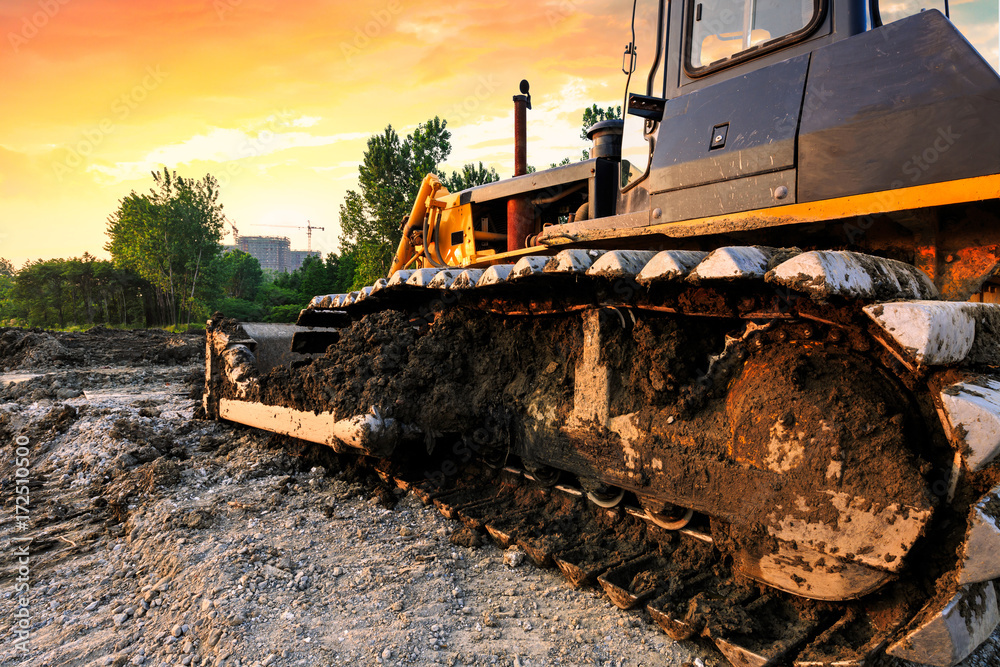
(520, 212)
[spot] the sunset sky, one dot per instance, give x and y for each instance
(276, 99)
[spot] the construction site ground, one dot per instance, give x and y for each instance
(153, 537)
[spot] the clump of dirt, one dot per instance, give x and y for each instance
(432, 378)
(139, 438)
(35, 349)
(466, 537)
(661, 360)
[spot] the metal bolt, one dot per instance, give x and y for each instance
(780, 192)
(718, 138)
(657, 213)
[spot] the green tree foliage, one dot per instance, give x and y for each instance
(77, 291)
(388, 180)
(7, 274)
(470, 176)
(239, 274)
(168, 237)
(595, 114)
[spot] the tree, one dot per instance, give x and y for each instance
(595, 114)
(240, 275)
(7, 274)
(388, 179)
(470, 176)
(167, 237)
(424, 150)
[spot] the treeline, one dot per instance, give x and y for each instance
(85, 291)
(78, 291)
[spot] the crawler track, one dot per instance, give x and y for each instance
(679, 578)
(812, 423)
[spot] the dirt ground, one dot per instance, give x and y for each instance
(154, 538)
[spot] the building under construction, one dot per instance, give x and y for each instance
(274, 252)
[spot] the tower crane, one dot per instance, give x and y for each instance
(236, 233)
(309, 227)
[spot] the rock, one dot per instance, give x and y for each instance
(269, 660)
(337, 571)
(514, 556)
(386, 654)
(92, 606)
(176, 631)
(147, 453)
(68, 393)
(466, 537)
(119, 619)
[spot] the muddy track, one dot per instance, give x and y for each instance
(685, 585)
(710, 367)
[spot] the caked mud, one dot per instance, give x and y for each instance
(802, 463)
(687, 421)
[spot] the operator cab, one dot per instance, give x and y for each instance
(717, 92)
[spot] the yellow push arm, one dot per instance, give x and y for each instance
(404, 253)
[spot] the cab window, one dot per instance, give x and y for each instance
(723, 30)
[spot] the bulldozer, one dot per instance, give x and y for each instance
(739, 367)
